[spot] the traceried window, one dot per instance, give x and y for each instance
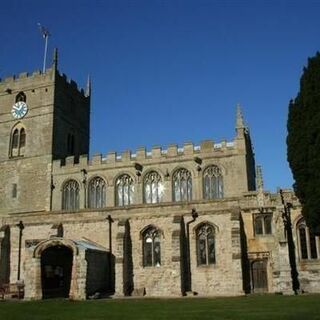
(263, 224)
(70, 195)
(124, 190)
(205, 237)
(97, 193)
(153, 188)
(212, 183)
(182, 185)
(151, 247)
(18, 141)
(308, 243)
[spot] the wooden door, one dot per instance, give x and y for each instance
(259, 276)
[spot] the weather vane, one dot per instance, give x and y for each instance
(45, 34)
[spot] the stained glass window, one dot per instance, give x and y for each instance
(151, 248)
(182, 185)
(70, 195)
(205, 245)
(97, 193)
(124, 190)
(308, 242)
(212, 183)
(153, 188)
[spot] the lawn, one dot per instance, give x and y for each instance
(305, 307)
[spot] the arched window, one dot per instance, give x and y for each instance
(70, 144)
(124, 190)
(22, 141)
(205, 237)
(212, 183)
(151, 248)
(153, 188)
(308, 243)
(97, 193)
(263, 223)
(18, 141)
(182, 185)
(70, 195)
(21, 97)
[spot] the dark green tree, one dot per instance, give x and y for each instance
(303, 142)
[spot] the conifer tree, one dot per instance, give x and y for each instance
(303, 143)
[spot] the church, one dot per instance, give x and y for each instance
(174, 221)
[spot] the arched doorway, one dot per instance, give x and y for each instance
(56, 267)
(259, 276)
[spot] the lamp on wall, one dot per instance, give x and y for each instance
(84, 175)
(198, 161)
(138, 168)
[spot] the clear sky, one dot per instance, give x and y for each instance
(173, 71)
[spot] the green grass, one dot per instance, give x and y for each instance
(306, 307)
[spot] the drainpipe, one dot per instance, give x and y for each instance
(110, 220)
(21, 227)
(84, 181)
(52, 186)
(194, 215)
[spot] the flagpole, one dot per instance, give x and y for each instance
(45, 34)
(45, 52)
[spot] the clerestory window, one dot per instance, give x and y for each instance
(153, 188)
(97, 193)
(124, 190)
(212, 183)
(182, 185)
(70, 195)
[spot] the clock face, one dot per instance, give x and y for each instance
(19, 110)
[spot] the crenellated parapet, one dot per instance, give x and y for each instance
(70, 83)
(9, 84)
(206, 148)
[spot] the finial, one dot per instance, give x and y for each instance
(55, 58)
(239, 122)
(259, 178)
(88, 87)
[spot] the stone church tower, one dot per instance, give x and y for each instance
(43, 117)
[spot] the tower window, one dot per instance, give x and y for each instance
(17, 141)
(21, 97)
(70, 144)
(14, 190)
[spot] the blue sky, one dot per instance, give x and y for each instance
(173, 71)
